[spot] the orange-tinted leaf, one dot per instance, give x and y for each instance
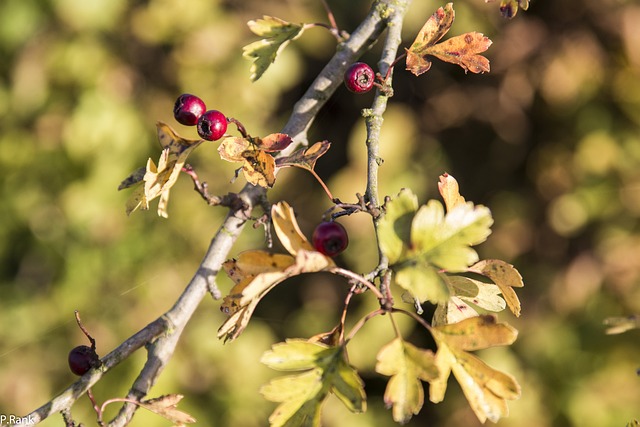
(259, 168)
(273, 142)
(166, 406)
(432, 31)
(450, 191)
(505, 276)
(304, 158)
(463, 50)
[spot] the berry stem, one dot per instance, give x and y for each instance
(84, 330)
(393, 64)
(324, 186)
(240, 126)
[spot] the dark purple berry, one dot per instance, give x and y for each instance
(359, 78)
(82, 358)
(330, 238)
(212, 125)
(188, 109)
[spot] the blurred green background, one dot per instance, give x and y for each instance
(549, 140)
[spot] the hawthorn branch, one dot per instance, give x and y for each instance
(161, 336)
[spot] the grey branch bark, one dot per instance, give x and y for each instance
(161, 336)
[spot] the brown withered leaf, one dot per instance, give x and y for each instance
(159, 179)
(509, 8)
(166, 406)
(256, 272)
(461, 50)
(273, 142)
(258, 166)
(304, 158)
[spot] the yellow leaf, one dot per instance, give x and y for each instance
(486, 389)
(287, 229)
(258, 166)
(505, 276)
(476, 333)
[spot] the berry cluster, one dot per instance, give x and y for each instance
(330, 238)
(190, 110)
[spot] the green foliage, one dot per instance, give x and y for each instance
(325, 371)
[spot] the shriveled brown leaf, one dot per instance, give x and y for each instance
(304, 158)
(166, 406)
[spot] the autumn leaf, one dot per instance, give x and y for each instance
(257, 272)
(505, 276)
(325, 371)
(467, 294)
(158, 179)
(166, 406)
(450, 191)
(276, 34)
(407, 365)
(258, 166)
(461, 50)
(618, 325)
(304, 158)
(273, 142)
(486, 389)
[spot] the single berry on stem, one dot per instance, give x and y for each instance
(359, 78)
(188, 109)
(82, 358)
(330, 238)
(212, 125)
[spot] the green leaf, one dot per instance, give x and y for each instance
(406, 365)
(445, 240)
(395, 227)
(276, 34)
(326, 371)
(423, 282)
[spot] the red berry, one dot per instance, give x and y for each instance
(82, 358)
(359, 78)
(212, 125)
(188, 109)
(330, 238)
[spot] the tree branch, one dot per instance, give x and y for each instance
(161, 335)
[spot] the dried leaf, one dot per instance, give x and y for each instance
(406, 365)
(166, 406)
(326, 371)
(276, 34)
(258, 166)
(273, 142)
(461, 50)
(133, 179)
(450, 191)
(159, 179)
(284, 222)
(618, 325)
(505, 276)
(304, 158)
(257, 272)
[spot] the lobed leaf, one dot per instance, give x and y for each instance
(301, 395)
(406, 365)
(505, 276)
(276, 34)
(423, 282)
(159, 179)
(258, 167)
(284, 222)
(463, 50)
(433, 30)
(485, 388)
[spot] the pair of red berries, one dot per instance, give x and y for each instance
(190, 110)
(330, 238)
